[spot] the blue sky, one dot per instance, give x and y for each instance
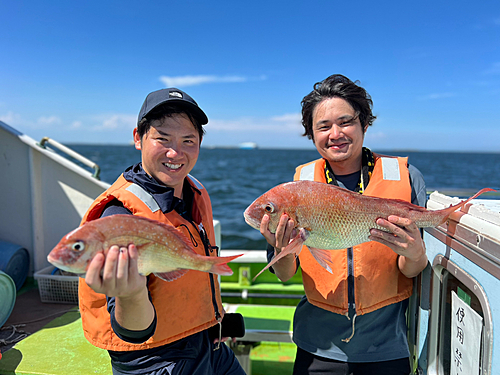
(79, 71)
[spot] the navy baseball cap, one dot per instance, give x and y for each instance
(175, 97)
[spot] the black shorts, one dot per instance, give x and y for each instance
(307, 363)
(193, 355)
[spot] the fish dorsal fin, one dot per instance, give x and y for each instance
(172, 275)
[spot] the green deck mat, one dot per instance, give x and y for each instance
(61, 348)
(58, 348)
(277, 318)
(273, 358)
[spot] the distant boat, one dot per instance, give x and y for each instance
(248, 145)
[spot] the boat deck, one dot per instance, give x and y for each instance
(47, 338)
(29, 316)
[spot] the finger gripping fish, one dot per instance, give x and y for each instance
(163, 250)
(328, 217)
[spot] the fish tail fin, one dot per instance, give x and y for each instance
(457, 206)
(294, 247)
(477, 195)
(220, 266)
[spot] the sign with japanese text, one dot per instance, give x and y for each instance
(466, 328)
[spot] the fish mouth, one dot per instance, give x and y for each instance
(56, 263)
(63, 264)
(254, 223)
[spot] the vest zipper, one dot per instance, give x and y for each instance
(350, 293)
(208, 249)
(350, 280)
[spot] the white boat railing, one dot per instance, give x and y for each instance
(75, 155)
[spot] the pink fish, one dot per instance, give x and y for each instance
(328, 217)
(163, 250)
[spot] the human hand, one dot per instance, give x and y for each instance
(404, 238)
(284, 231)
(115, 274)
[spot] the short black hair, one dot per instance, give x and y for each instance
(337, 86)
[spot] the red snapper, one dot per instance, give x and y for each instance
(328, 217)
(163, 250)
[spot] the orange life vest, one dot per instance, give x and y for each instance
(378, 281)
(184, 306)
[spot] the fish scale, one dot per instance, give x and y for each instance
(349, 229)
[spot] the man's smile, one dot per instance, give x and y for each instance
(172, 166)
(338, 146)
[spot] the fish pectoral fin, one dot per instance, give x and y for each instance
(172, 275)
(293, 247)
(144, 246)
(322, 257)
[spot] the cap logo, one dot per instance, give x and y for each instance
(175, 94)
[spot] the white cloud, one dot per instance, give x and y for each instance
(276, 124)
(50, 120)
(487, 23)
(375, 136)
(494, 69)
(439, 95)
(11, 118)
(76, 125)
(242, 124)
(43, 122)
(289, 117)
(183, 81)
(114, 122)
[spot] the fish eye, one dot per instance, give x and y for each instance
(269, 208)
(78, 246)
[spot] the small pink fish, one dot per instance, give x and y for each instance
(328, 217)
(163, 250)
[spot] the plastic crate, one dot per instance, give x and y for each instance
(56, 288)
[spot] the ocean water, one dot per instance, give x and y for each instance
(235, 177)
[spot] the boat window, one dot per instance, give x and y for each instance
(463, 324)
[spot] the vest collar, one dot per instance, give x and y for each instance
(163, 195)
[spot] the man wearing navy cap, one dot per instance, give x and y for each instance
(148, 325)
